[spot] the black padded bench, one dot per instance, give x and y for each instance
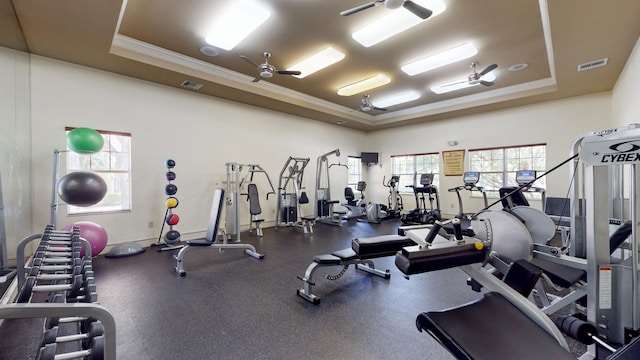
(490, 328)
(360, 254)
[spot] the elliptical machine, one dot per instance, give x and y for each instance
(422, 215)
(376, 213)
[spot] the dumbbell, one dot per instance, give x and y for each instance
(46, 265)
(95, 351)
(72, 288)
(582, 331)
(52, 335)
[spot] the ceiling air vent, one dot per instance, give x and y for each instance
(191, 85)
(592, 64)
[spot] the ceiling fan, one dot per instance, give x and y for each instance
(475, 77)
(416, 9)
(366, 106)
(266, 70)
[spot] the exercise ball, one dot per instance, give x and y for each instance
(172, 237)
(172, 219)
(94, 233)
(171, 175)
(171, 202)
(84, 140)
(82, 188)
(170, 164)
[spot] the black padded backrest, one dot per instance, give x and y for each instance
(348, 194)
(557, 206)
(214, 217)
(254, 201)
(515, 199)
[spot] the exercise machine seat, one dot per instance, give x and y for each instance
(561, 275)
(254, 202)
(380, 246)
(349, 196)
(490, 328)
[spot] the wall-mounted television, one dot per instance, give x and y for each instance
(369, 157)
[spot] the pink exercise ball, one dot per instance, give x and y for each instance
(94, 233)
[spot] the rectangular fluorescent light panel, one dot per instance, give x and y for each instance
(397, 21)
(397, 99)
(457, 85)
(458, 53)
(317, 61)
(364, 85)
(236, 23)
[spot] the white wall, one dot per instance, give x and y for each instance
(199, 132)
(15, 147)
(625, 92)
(555, 123)
(202, 133)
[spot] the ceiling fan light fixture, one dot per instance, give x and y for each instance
(396, 22)
(397, 99)
(458, 85)
(236, 23)
(435, 61)
(318, 61)
(364, 85)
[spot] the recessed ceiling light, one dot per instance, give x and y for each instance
(237, 22)
(397, 99)
(457, 53)
(396, 22)
(209, 51)
(317, 61)
(518, 67)
(457, 85)
(364, 85)
(341, 122)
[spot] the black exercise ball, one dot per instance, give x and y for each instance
(170, 164)
(82, 188)
(171, 175)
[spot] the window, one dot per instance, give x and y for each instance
(498, 166)
(113, 163)
(355, 172)
(410, 167)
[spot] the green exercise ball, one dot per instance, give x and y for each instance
(84, 140)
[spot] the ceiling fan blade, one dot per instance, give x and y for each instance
(455, 83)
(488, 69)
(257, 78)
(289, 72)
(417, 10)
(378, 108)
(486, 83)
(249, 61)
(360, 8)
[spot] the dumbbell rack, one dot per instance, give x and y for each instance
(58, 285)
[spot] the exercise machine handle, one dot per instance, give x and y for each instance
(435, 228)
(457, 228)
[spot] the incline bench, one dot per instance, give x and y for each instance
(360, 253)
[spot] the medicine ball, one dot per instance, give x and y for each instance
(171, 202)
(170, 164)
(172, 219)
(171, 189)
(82, 188)
(171, 175)
(172, 237)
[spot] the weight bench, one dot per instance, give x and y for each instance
(360, 254)
(212, 233)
